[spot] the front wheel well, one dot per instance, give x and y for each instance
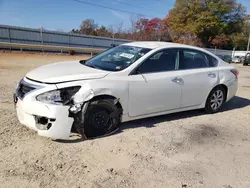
(102, 97)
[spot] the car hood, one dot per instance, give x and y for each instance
(65, 72)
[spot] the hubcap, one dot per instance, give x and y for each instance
(217, 99)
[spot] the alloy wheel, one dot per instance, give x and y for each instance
(217, 99)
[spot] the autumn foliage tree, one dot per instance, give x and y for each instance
(206, 23)
(210, 21)
(154, 29)
(145, 29)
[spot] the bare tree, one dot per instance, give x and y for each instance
(133, 20)
(88, 27)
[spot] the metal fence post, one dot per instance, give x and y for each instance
(69, 39)
(41, 34)
(9, 38)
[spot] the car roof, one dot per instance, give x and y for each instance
(156, 44)
(160, 45)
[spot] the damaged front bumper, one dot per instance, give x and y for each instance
(48, 120)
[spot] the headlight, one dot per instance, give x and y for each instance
(60, 96)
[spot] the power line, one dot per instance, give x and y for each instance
(138, 6)
(110, 8)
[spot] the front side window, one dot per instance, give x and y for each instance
(118, 58)
(193, 59)
(165, 60)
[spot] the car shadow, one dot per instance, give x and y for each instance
(235, 103)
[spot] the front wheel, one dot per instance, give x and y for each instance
(215, 100)
(102, 117)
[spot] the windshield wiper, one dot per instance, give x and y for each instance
(92, 66)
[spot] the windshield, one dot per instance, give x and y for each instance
(118, 58)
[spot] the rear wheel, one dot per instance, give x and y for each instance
(102, 117)
(215, 100)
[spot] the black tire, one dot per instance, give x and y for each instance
(102, 117)
(210, 107)
(244, 64)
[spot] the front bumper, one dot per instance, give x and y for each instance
(60, 126)
(30, 112)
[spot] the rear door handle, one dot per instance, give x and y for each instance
(211, 75)
(177, 80)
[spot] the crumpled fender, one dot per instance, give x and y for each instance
(81, 101)
(86, 93)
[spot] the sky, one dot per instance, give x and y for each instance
(65, 15)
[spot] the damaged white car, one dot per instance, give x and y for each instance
(128, 82)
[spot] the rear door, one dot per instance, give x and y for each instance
(199, 76)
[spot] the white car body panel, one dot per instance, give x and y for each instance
(140, 96)
(154, 92)
(68, 71)
(196, 85)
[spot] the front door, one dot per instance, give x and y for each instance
(154, 87)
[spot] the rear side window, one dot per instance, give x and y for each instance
(194, 59)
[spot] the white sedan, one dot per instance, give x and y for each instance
(131, 81)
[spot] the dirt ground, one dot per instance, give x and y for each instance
(183, 150)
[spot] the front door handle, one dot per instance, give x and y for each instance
(211, 75)
(177, 80)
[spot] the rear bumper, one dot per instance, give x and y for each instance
(58, 125)
(232, 90)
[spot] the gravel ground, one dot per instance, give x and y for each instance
(189, 149)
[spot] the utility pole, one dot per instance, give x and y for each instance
(248, 43)
(233, 52)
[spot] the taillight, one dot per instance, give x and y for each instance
(235, 72)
